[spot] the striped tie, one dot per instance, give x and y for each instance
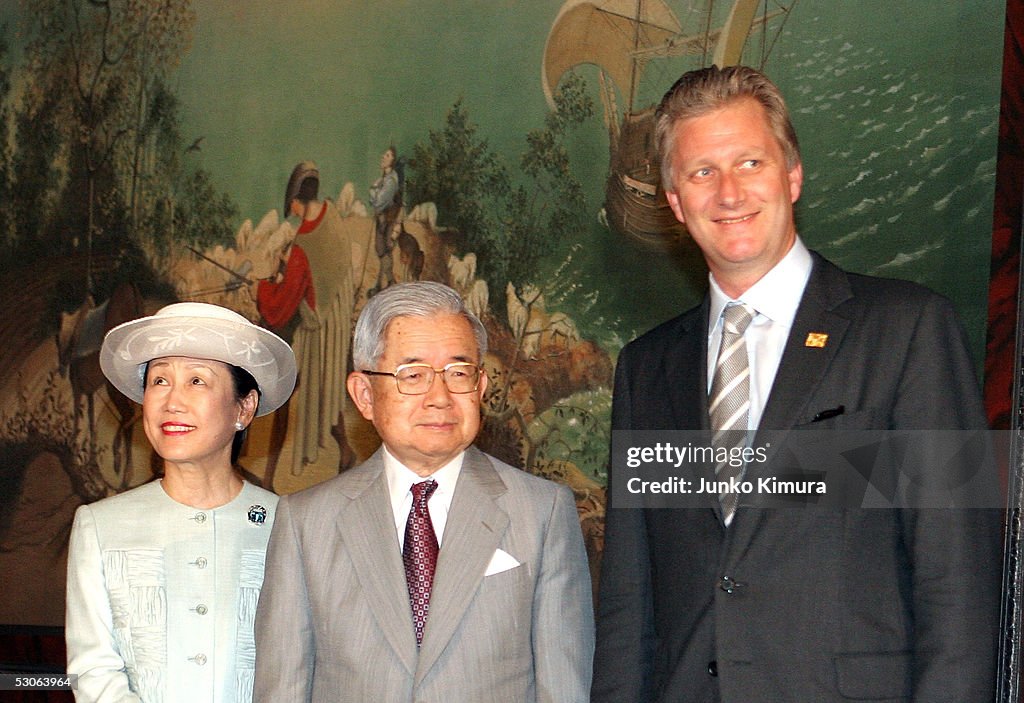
(730, 398)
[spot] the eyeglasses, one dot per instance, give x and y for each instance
(417, 379)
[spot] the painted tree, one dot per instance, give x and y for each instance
(92, 66)
(511, 223)
(549, 204)
(458, 171)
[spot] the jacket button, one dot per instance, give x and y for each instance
(728, 584)
(713, 667)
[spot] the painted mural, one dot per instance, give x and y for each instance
(145, 150)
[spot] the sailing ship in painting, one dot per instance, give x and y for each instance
(625, 39)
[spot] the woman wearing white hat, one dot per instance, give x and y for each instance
(163, 579)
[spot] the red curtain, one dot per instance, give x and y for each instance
(1000, 344)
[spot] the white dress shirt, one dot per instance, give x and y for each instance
(775, 298)
(400, 479)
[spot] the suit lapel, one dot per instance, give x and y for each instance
(801, 370)
(367, 528)
(689, 391)
(472, 533)
(804, 363)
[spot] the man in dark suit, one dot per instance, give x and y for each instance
(732, 601)
(432, 571)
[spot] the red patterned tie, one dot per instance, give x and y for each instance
(419, 554)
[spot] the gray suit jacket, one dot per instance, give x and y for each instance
(334, 622)
(795, 604)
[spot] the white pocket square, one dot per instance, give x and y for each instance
(501, 561)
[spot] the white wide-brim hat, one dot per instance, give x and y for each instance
(200, 331)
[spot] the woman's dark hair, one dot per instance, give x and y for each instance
(244, 382)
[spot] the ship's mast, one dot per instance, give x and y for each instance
(707, 34)
(634, 60)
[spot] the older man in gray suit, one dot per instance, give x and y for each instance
(431, 572)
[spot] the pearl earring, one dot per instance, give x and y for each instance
(239, 425)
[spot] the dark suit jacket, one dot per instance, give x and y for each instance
(801, 605)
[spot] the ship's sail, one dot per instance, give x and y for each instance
(608, 34)
(621, 38)
(729, 47)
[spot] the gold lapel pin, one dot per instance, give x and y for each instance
(816, 339)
